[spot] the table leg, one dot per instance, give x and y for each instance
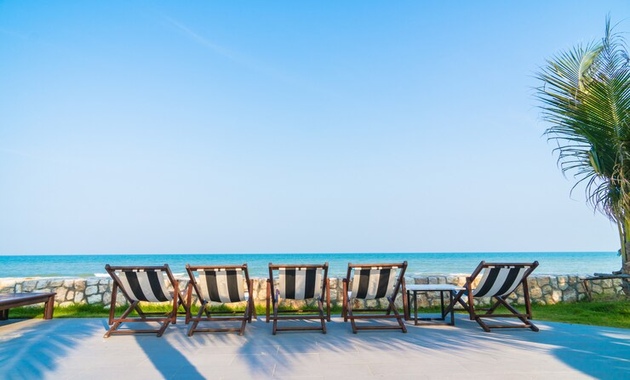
(49, 307)
(407, 312)
(450, 302)
(415, 307)
(442, 303)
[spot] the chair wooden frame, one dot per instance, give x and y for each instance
(322, 292)
(349, 312)
(205, 298)
(137, 292)
(506, 283)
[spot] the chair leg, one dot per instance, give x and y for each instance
(514, 313)
(351, 318)
(524, 318)
(246, 318)
(193, 326)
(399, 318)
(163, 328)
(252, 310)
(481, 323)
(322, 316)
(268, 299)
(344, 302)
(115, 322)
(456, 299)
(328, 300)
(275, 317)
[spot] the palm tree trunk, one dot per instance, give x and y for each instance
(624, 228)
(625, 264)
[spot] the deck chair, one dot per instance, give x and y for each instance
(498, 281)
(143, 284)
(298, 282)
(220, 284)
(369, 282)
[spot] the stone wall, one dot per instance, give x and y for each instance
(544, 290)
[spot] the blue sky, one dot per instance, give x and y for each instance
(206, 126)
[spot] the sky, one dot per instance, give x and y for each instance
(284, 126)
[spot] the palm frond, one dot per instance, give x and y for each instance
(585, 97)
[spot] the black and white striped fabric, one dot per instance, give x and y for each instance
(499, 280)
(300, 283)
(373, 283)
(145, 285)
(222, 285)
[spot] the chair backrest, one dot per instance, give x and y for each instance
(220, 283)
(372, 281)
(299, 282)
(143, 283)
(500, 279)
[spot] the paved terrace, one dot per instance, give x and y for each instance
(76, 349)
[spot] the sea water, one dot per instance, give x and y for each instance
(418, 263)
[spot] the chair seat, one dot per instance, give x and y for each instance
(366, 282)
(298, 282)
(142, 284)
(218, 284)
(497, 281)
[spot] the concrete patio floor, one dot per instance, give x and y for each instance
(76, 349)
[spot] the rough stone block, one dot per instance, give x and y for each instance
(79, 297)
(95, 299)
(563, 282)
(60, 296)
(55, 283)
(29, 286)
(91, 290)
(570, 295)
(42, 284)
(556, 296)
(535, 293)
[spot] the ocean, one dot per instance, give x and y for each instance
(419, 263)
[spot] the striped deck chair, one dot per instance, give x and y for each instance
(224, 284)
(143, 284)
(370, 282)
(299, 282)
(498, 281)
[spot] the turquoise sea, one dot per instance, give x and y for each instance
(419, 263)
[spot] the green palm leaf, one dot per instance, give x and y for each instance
(585, 97)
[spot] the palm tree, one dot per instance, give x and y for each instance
(585, 96)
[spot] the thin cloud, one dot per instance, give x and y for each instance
(220, 50)
(243, 61)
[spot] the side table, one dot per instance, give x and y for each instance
(412, 297)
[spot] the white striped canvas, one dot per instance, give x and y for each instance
(366, 285)
(223, 284)
(499, 282)
(302, 286)
(144, 292)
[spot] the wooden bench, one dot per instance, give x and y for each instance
(10, 300)
(602, 276)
